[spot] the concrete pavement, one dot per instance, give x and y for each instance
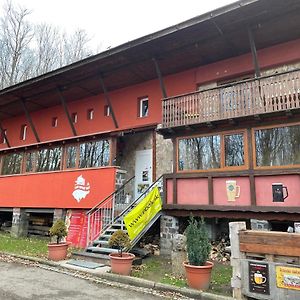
(101, 277)
(20, 282)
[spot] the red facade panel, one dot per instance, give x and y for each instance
(67, 189)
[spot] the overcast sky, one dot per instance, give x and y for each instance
(113, 22)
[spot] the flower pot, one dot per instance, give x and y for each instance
(198, 277)
(121, 264)
(57, 252)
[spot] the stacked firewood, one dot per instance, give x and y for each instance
(152, 248)
(218, 250)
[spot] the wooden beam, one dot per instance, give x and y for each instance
(210, 190)
(106, 95)
(4, 135)
(270, 242)
(254, 53)
(28, 117)
(159, 75)
(63, 102)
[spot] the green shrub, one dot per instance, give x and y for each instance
(120, 240)
(59, 229)
(197, 241)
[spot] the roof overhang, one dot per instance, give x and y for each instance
(205, 39)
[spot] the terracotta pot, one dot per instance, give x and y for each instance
(198, 277)
(121, 264)
(57, 251)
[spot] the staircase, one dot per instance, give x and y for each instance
(107, 217)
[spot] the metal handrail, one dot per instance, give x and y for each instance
(102, 213)
(138, 199)
(110, 195)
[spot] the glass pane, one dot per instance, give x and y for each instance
(94, 154)
(11, 163)
(278, 146)
(200, 153)
(49, 159)
(234, 150)
(71, 157)
(30, 161)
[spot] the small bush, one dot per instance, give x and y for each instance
(120, 240)
(198, 243)
(59, 229)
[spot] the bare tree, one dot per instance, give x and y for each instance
(28, 50)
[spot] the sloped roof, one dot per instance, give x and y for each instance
(213, 36)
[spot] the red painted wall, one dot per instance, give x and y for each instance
(55, 189)
(264, 196)
(194, 191)
(124, 101)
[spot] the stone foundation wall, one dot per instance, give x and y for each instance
(169, 226)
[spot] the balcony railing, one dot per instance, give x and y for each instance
(262, 95)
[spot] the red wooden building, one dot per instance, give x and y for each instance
(212, 103)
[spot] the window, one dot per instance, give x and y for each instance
(49, 159)
(3, 135)
(23, 132)
(143, 107)
(11, 163)
(90, 114)
(94, 154)
(224, 150)
(71, 157)
(54, 122)
(106, 111)
(278, 146)
(200, 153)
(30, 161)
(74, 118)
(234, 150)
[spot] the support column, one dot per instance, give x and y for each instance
(19, 222)
(59, 213)
(169, 226)
(235, 260)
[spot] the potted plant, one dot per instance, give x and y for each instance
(198, 268)
(120, 262)
(58, 251)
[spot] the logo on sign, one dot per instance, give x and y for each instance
(81, 189)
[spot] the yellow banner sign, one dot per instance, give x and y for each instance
(137, 219)
(288, 277)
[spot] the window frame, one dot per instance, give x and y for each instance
(90, 114)
(222, 135)
(255, 167)
(141, 100)
(23, 132)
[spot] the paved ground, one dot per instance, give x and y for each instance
(20, 282)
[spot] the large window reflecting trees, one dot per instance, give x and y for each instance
(211, 152)
(80, 155)
(278, 146)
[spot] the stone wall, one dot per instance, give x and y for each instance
(164, 155)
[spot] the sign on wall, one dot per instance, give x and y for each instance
(259, 278)
(288, 277)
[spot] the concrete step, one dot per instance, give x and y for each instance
(100, 242)
(101, 250)
(90, 256)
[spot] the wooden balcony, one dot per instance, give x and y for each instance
(280, 92)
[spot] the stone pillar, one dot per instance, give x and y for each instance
(19, 222)
(168, 228)
(59, 213)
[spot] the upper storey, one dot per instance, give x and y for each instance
(122, 88)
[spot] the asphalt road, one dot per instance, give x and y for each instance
(20, 282)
